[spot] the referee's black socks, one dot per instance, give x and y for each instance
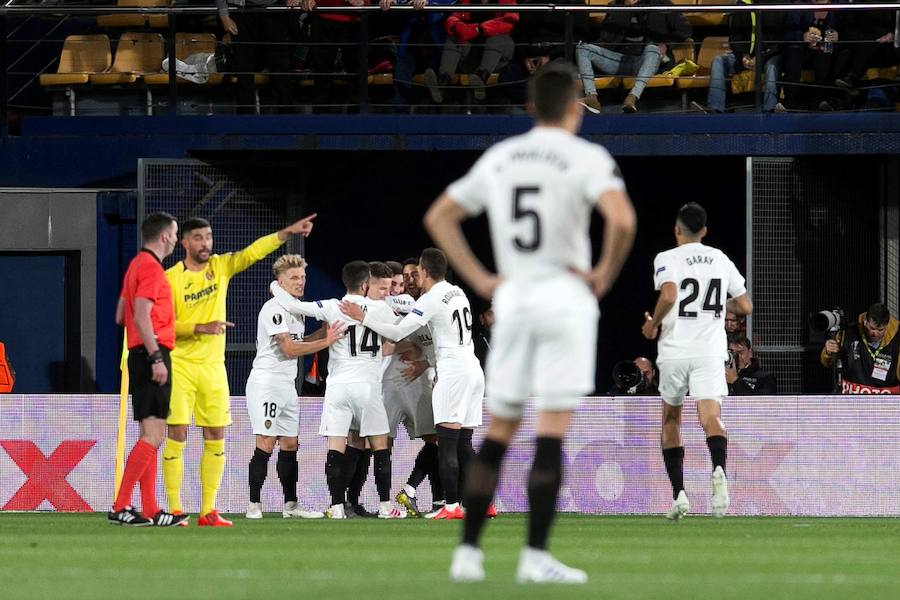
(448, 462)
(288, 473)
(334, 462)
(259, 465)
(543, 490)
(481, 482)
(718, 450)
(674, 459)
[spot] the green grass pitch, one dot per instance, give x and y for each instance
(81, 556)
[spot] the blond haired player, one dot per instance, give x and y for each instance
(271, 393)
(199, 381)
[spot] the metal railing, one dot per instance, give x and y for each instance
(17, 9)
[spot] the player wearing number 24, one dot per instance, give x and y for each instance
(692, 280)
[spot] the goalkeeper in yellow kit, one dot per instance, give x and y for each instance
(199, 381)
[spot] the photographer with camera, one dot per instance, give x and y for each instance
(865, 354)
(743, 372)
(634, 378)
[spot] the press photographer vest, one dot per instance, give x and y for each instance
(868, 370)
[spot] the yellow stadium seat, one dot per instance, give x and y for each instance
(597, 17)
(187, 44)
(135, 20)
(81, 56)
(136, 55)
(711, 47)
(680, 52)
(707, 19)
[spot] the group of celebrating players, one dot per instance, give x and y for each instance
(408, 357)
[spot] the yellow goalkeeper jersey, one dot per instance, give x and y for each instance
(200, 298)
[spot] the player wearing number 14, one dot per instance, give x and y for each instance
(693, 280)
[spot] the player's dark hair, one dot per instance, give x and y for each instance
(878, 314)
(379, 270)
(355, 274)
(411, 261)
(740, 340)
(394, 266)
(692, 218)
(155, 224)
(551, 90)
(434, 262)
(191, 224)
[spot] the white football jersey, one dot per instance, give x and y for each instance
(401, 304)
(704, 278)
(539, 189)
(356, 357)
(445, 310)
(393, 366)
(270, 362)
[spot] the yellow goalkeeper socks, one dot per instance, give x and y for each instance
(173, 472)
(212, 467)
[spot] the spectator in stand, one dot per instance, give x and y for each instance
(481, 336)
(743, 372)
(814, 34)
(742, 39)
(481, 41)
(869, 352)
(330, 34)
(875, 32)
(421, 38)
(637, 378)
(259, 39)
(735, 324)
(633, 44)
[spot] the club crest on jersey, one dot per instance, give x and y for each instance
(276, 318)
(416, 311)
(210, 275)
(268, 424)
(660, 270)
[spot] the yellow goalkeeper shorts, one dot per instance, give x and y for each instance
(202, 391)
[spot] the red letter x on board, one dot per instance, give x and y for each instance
(47, 475)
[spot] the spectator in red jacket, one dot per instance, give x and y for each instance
(481, 41)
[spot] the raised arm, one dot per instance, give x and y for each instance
(380, 324)
(294, 306)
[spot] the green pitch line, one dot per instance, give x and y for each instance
(81, 556)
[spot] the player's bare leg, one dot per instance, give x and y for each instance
(212, 467)
(673, 455)
(259, 466)
(709, 412)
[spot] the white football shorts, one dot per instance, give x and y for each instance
(273, 408)
(409, 403)
(702, 378)
(458, 395)
(543, 349)
(356, 406)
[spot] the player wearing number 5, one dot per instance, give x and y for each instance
(693, 281)
(459, 390)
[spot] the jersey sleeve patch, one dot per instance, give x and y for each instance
(416, 311)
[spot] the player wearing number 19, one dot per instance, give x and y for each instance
(693, 280)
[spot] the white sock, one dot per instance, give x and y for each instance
(386, 506)
(410, 490)
(452, 507)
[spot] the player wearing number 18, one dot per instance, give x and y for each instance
(693, 280)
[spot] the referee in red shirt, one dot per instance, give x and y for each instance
(146, 309)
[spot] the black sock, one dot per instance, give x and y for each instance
(465, 453)
(543, 490)
(718, 450)
(484, 472)
(259, 466)
(448, 462)
(383, 474)
(288, 473)
(422, 467)
(674, 459)
(434, 477)
(360, 474)
(352, 458)
(334, 462)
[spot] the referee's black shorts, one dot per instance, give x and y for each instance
(148, 398)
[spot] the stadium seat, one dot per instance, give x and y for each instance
(706, 19)
(135, 20)
(597, 17)
(880, 73)
(81, 57)
(680, 52)
(187, 44)
(711, 47)
(136, 55)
